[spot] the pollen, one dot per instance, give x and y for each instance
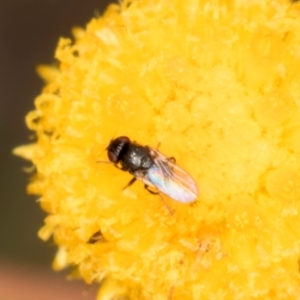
(216, 85)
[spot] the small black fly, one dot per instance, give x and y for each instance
(153, 168)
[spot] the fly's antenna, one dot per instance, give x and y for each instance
(106, 161)
(115, 133)
(103, 161)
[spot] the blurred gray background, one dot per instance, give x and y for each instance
(29, 32)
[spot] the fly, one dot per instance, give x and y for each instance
(153, 168)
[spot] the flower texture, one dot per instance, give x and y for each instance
(217, 83)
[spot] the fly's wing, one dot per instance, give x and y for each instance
(171, 180)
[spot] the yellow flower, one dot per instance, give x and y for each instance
(218, 84)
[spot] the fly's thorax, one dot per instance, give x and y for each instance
(137, 158)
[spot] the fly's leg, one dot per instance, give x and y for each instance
(166, 204)
(131, 182)
(170, 297)
(151, 192)
(162, 198)
(172, 162)
(172, 159)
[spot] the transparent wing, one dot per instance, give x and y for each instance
(171, 180)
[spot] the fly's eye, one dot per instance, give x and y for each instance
(116, 147)
(122, 140)
(113, 157)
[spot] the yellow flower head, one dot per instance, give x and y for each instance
(217, 83)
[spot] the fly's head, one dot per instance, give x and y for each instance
(117, 148)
